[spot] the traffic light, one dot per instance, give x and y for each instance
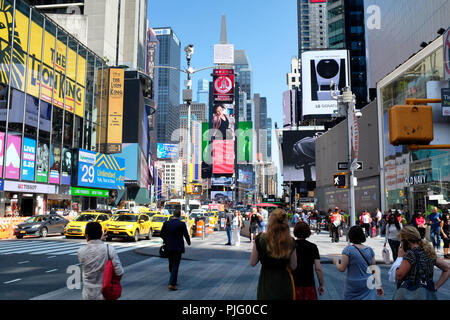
(340, 180)
(410, 124)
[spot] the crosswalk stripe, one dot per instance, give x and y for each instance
(56, 251)
(18, 245)
(34, 248)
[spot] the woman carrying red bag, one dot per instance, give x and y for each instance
(93, 258)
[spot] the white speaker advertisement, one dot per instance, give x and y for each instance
(319, 69)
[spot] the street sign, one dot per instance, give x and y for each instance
(445, 98)
(342, 166)
(356, 166)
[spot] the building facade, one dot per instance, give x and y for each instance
(346, 30)
(312, 25)
(168, 84)
(53, 93)
(414, 180)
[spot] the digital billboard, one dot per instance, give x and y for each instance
(166, 151)
(223, 85)
(245, 141)
(319, 68)
(13, 149)
(299, 157)
(223, 157)
(245, 177)
(98, 170)
(28, 159)
(221, 196)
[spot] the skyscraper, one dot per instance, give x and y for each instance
(202, 91)
(243, 72)
(261, 127)
(168, 84)
(346, 26)
(312, 25)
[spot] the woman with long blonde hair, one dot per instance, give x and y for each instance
(415, 274)
(275, 249)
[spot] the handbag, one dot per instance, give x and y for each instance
(112, 289)
(386, 256)
(410, 290)
(163, 251)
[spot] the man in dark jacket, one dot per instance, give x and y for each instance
(172, 233)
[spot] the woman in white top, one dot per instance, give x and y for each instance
(236, 227)
(93, 258)
(393, 228)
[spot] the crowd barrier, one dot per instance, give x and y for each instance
(7, 224)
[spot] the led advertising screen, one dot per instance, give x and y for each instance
(222, 196)
(42, 159)
(299, 148)
(28, 159)
(167, 151)
(223, 122)
(223, 85)
(55, 163)
(223, 157)
(66, 174)
(319, 68)
(245, 141)
(98, 170)
(13, 148)
(245, 177)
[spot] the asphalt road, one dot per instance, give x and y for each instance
(34, 266)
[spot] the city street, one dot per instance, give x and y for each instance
(36, 269)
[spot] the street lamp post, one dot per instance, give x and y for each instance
(187, 97)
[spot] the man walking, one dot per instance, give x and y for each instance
(172, 233)
(378, 217)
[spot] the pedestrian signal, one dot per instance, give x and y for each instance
(340, 181)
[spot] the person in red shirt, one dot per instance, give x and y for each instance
(336, 220)
(418, 221)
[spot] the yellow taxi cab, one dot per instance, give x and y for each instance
(158, 221)
(129, 225)
(76, 227)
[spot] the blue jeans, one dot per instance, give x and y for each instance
(263, 226)
(229, 233)
(435, 235)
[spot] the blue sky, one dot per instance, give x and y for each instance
(266, 30)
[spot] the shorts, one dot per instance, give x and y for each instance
(254, 229)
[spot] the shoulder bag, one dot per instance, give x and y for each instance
(163, 251)
(112, 289)
(410, 290)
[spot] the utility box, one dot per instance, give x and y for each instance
(409, 124)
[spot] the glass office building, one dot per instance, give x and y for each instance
(414, 180)
(346, 30)
(51, 97)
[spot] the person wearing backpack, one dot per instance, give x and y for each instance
(93, 257)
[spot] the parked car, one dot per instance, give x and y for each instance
(41, 225)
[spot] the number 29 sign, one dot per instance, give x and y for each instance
(100, 170)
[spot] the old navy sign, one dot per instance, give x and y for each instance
(422, 179)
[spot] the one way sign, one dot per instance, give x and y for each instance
(357, 166)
